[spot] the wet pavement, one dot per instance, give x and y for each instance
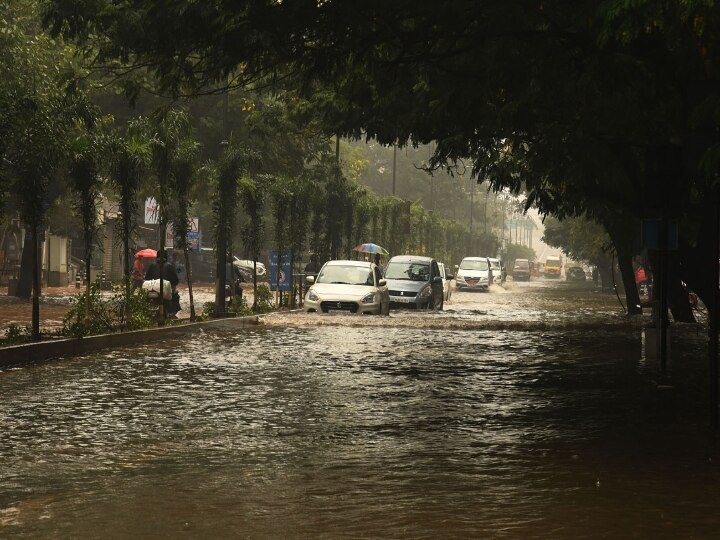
(526, 412)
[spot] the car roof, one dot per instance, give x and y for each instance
(475, 259)
(341, 262)
(411, 258)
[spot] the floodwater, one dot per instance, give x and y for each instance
(526, 412)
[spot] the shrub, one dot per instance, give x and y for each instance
(264, 299)
(108, 313)
(16, 335)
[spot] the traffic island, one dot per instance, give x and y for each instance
(30, 353)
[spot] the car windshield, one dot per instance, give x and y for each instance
(473, 265)
(347, 275)
(522, 264)
(411, 271)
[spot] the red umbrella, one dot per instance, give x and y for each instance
(147, 253)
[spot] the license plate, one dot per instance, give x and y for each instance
(472, 281)
(402, 299)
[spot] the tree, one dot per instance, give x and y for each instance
(184, 174)
(252, 199)
(583, 240)
(36, 115)
(170, 129)
(130, 155)
(86, 152)
(570, 94)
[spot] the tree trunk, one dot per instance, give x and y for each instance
(24, 285)
(35, 285)
(632, 297)
(678, 300)
(88, 285)
(188, 272)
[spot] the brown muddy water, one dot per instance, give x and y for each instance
(527, 412)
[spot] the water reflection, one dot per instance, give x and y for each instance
(413, 426)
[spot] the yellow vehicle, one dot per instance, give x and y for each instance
(552, 267)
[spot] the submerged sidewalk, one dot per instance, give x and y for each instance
(55, 303)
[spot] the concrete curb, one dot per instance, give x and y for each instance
(20, 355)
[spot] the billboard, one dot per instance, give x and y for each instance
(152, 211)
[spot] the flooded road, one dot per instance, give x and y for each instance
(526, 412)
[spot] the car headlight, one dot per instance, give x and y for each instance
(425, 292)
(312, 296)
(368, 299)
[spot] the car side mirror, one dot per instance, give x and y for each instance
(457, 267)
(382, 283)
(310, 279)
(437, 279)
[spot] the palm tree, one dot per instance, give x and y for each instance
(130, 158)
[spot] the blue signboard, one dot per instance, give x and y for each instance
(285, 269)
(652, 231)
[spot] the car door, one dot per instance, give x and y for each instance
(436, 284)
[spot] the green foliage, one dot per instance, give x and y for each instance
(579, 238)
(208, 309)
(263, 300)
(16, 335)
(129, 155)
(517, 251)
(240, 306)
(108, 313)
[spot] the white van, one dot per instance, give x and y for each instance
(473, 273)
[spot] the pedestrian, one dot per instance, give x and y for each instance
(377, 263)
(154, 271)
(138, 272)
(313, 267)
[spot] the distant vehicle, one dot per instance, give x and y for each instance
(415, 281)
(350, 287)
(521, 270)
(447, 279)
(473, 273)
(552, 267)
(497, 270)
(245, 268)
(575, 273)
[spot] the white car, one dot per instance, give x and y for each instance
(350, 287)
(473, 273)
(447, 279)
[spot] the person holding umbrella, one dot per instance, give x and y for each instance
(167, 271)
(139, 267)
(377, 263)
(374, 249)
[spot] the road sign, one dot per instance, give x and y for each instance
(284, 268)
(152, 211)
